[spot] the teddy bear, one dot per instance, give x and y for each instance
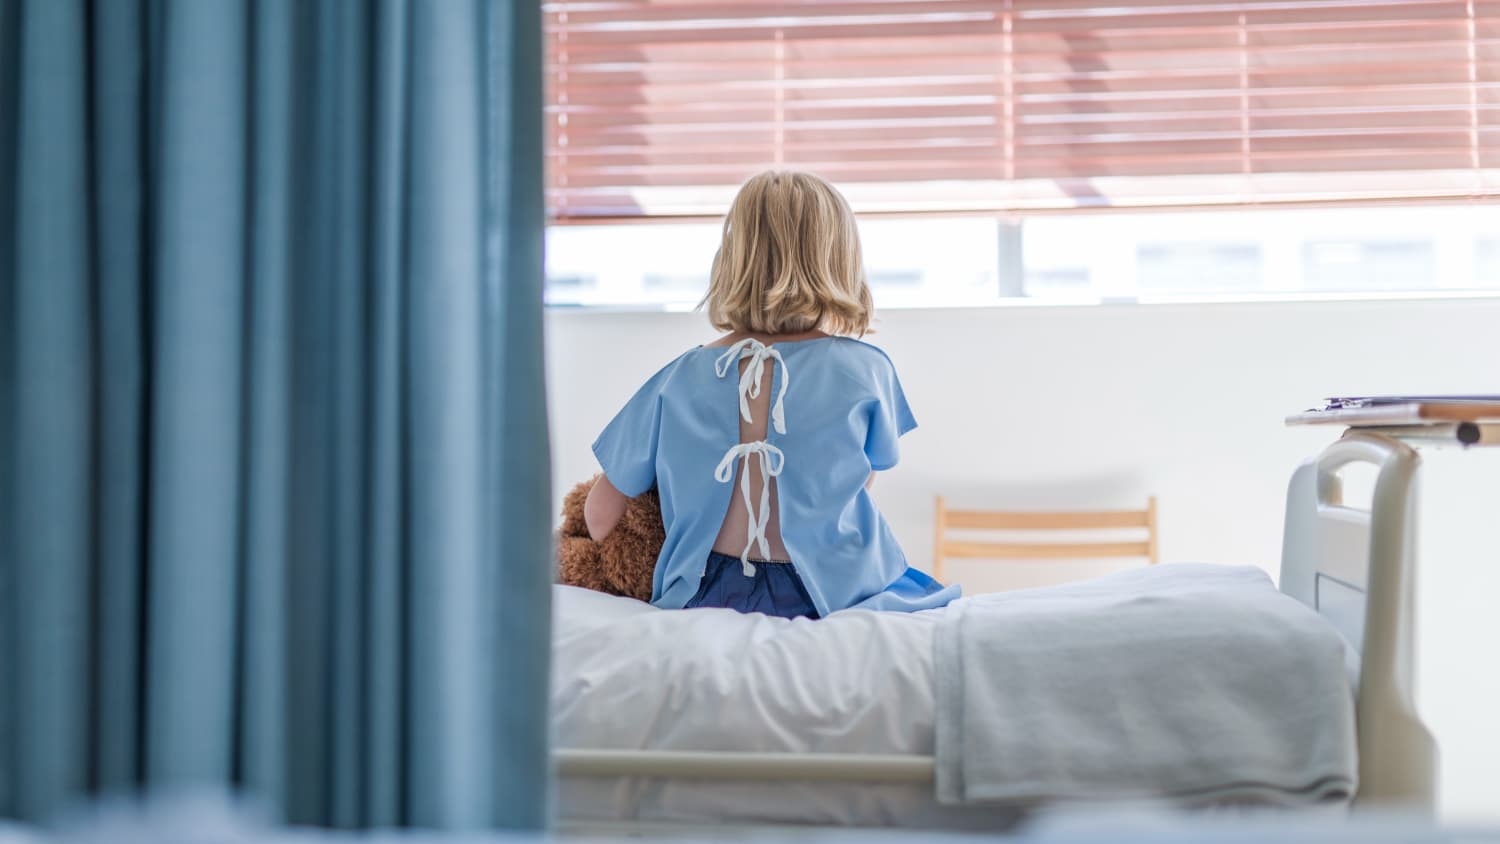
(624, 562)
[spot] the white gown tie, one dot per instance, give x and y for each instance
(758, 353)
(771, 463)
(772, 460)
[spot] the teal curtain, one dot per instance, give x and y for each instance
(273, 451)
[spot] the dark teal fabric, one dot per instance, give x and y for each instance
(273, 446)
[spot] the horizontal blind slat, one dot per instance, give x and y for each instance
(664, 106)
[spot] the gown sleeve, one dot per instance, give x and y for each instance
(626, 450)
(890, 419)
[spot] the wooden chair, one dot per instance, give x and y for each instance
(1010, 549)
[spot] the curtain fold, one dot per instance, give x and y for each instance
(514, 398)
(273, 449)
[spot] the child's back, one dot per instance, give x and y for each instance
(737, 524)
(762, 444)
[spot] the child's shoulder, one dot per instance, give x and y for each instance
(866, 356)
(863, 348)
(668, 370)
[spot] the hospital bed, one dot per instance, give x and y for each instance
(636, 753)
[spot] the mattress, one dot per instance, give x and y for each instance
(629, 676)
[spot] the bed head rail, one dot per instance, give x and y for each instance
(1355, 567)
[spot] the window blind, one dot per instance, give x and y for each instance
(660, 108)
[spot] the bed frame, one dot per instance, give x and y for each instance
(1355, 567)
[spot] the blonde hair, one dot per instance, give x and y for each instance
(789, 261)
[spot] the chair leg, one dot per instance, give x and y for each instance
(1151, 527)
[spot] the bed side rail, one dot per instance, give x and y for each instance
(1335, 557)
(779, 767)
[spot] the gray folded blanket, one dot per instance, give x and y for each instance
(1194, 683)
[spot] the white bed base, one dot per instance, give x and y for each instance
(1353, 566)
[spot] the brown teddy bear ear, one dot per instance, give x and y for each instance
(573, 523)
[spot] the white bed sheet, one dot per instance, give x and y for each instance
(629, 676)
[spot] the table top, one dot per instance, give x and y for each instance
(1442, 420)
(1415, 412)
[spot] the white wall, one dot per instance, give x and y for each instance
(1099, 406)
(1086, 406)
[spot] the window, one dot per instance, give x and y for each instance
(661, 109)
(1042, 150)
(1183, 266)
(1487, 261)
(1170, 256)
(907, 262)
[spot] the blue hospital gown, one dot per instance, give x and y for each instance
(837, 412)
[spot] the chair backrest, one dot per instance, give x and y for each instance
(1021, 520)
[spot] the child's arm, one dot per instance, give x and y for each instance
(603, 509)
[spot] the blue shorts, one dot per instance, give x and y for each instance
(776, 589)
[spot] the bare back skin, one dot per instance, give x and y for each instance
(731, 539)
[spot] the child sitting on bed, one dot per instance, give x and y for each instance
(787, 410)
